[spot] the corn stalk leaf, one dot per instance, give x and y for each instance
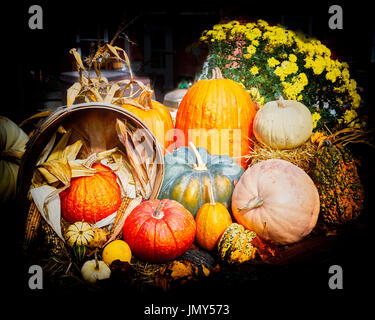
(78, 59)
(71, 151)
(47, 150)
(111, 93)
(60, 146)
(72, 93)
(56, 170)
(43, 114)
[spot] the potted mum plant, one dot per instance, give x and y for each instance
(270, 61)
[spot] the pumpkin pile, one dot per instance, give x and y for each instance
(104, 209)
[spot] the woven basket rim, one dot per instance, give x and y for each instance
(51, 123)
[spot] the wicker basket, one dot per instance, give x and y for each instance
(94, 117)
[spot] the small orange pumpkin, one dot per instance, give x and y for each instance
(91, 198)
(155, 115)
(212, 220)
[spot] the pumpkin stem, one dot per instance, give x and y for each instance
(145, 98)
(216, 74)
(211, 194)
(255, 202)
(200, 165)
(158, 214)
(281, 102)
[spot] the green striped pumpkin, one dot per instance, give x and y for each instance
(79, 233)
(190, 171)
(235, 245)
(79, 252)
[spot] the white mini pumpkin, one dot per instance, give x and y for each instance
(93, 270)
(283, 124)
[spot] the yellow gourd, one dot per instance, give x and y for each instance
(116, 250)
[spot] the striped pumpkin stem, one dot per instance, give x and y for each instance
(211, 194)
(216, 74)
(200, 165)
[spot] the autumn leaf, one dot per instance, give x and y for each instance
(265, 249)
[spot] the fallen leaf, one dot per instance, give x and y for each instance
(265, 249)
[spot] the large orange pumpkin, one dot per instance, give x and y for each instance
(217, 114)
(155, 115)
(91, 198)
(277, 200)
(159, 230)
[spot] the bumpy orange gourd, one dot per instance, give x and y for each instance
(212, 220)
(91, 198)
(217, 114)
(155, 115)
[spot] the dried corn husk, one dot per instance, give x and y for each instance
(48, 203)
(142, 165)
(99, 89)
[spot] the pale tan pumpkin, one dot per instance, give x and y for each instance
(283, 124)
(277, 200)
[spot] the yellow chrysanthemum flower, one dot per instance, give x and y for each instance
(254, 70)
(272, 62)
(316, 117)
(292, 57)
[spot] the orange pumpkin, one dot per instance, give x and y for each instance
(217, 114)
(155, 115)
(91, 198)
(159, 230)
(212, 220)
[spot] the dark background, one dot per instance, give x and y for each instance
(33, 60)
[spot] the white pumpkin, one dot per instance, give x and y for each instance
(12, 145)
(283, 124)
(93, 270)
(277, 200)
